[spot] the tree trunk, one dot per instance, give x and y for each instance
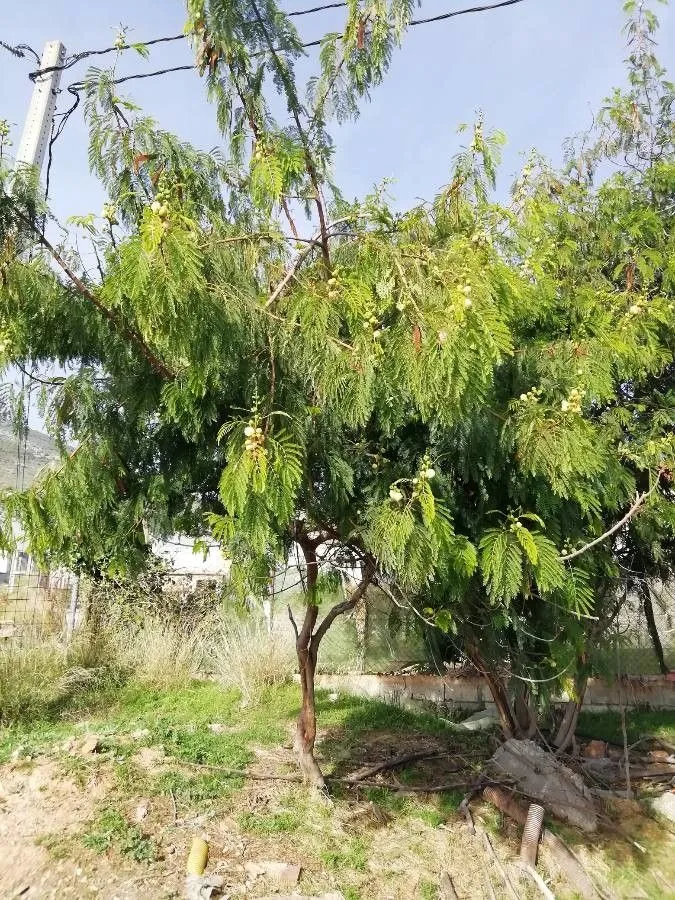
(497, 687)
(565, 733)
(305, 734)
(646, 595)
(307, 648)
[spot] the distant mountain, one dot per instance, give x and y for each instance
(40, 452)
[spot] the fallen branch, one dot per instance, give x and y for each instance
(538, 880)
(487, 844)
(297, 779)
(447, 888)
(394, 763)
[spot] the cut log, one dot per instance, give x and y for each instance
(540, 776)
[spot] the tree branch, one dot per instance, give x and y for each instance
(315, 241)
(293, 106)
(346, 605)
(132, 336)
(635, 508)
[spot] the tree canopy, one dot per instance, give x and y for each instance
(472, 400)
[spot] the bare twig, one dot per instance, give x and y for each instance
(635, 508)
(487, 844)
(538, 880)
(393, 763)
(315, 241)
(447, 888)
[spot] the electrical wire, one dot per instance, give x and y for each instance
(19, 49)
(78, 57)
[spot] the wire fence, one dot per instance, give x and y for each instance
(36, 607)
(376, 637)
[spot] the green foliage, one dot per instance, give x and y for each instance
(465, 391)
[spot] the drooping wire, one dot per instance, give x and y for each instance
(18, 50)
(75, 88)
(77, 57)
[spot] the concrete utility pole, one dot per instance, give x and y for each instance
(37, 129)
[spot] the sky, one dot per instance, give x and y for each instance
(537, 70)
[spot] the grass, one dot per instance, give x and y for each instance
(111, 829)
(606, 726)
(270, 823)
(399, 853)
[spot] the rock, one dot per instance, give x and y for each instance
(149, 757)
(142, 810)
(595, 750)
(90, 744)
(140, 734)
(279, 871)
(540, 776)
(201, 887)
(481, 721)
(665, 805)
(217, 727)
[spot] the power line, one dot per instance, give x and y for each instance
(19, 49)
(77, 57)
(75, 88)
(84, 54)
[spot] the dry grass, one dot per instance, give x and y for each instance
(245, 654)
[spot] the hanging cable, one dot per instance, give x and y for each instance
(19, 50)
(78, 57)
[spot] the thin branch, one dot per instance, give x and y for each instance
(315, 241)
(346, 605)
(293, 106)
(292, 618)
(159, 367)
(635, 508)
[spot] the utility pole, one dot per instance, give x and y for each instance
(38, 125)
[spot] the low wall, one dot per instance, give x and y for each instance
(471, 691)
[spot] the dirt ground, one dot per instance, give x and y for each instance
(108, 807)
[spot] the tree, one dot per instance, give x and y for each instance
(458, 401)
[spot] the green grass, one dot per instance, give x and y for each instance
(351, 855)
(428, 890)
(606, 726)
(111, 830)
(270, 823)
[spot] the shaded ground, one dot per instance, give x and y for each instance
(118, 822)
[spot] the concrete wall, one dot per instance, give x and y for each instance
(472, 693)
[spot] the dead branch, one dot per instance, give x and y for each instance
(394, 763)
(640, 500)
(490, 850)
(447, 888)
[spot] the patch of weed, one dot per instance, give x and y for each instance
(270, 823)
(428, 890)
(57, 845)
(351, 893)
(111, 829)
(352, 855)
(189, 789)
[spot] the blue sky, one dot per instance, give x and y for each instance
(536, 69)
